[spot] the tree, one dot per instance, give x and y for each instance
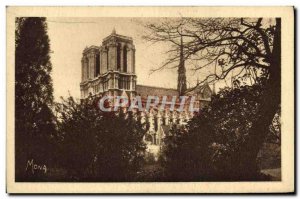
(245, 46)
(209, 147)
(77, 126)
(34, 123)
(99, 146)
(177, 47)
(186, 153)
(121, 149)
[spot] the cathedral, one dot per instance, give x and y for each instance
(109, 69)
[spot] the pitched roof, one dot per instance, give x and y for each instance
(145, 91)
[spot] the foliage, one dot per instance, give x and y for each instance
(186, 155)
(76, 127)
(231, 44)
(98, 146)
(275, 130)
(249, 48)
(209, 149)
(34, 120)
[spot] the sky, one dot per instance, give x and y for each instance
(69, 37)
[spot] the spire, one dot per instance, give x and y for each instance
(114, 31)
(181, 84)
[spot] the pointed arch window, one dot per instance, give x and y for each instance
(107, 60)
(119, 56)
(97, 71)
(87, 68)
(125, 59)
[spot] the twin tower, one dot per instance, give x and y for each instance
(110, 68)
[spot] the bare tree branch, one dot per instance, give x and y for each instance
(226, 43)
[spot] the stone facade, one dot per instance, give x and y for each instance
(110, 70)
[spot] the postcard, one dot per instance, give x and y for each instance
(150, 100)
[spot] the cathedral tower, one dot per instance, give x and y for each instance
(110, 68)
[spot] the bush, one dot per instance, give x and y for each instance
(97, 146)
(209, 147)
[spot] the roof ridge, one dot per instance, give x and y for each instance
(156, 87)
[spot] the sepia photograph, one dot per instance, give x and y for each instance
(143, 98)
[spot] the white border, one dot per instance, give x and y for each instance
(287, 101)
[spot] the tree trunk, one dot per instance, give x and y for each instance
(270, 102)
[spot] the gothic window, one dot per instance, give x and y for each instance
(125, 58)
(128, 84)
(105, 84)
(133, 85)
(87, 68)
(97, 71)
(101, 86)
(119, 56)
(119, 83)
(107, 60)
(124, 83)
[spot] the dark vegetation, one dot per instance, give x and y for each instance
(78, 142)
